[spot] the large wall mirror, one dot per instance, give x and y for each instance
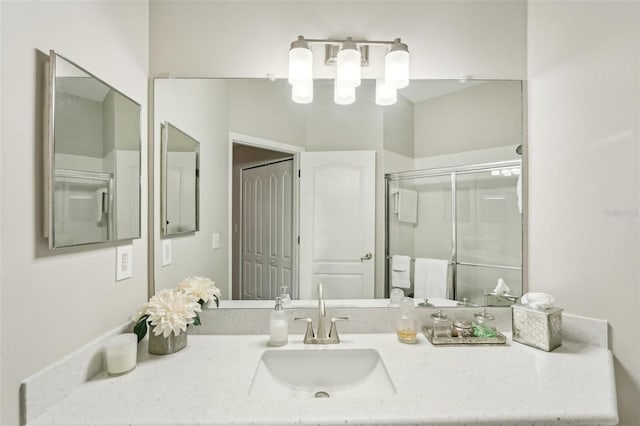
(93, 159)
(264, 160)
(180, 170)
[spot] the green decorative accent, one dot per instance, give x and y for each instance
(141, 327)
(480, 330)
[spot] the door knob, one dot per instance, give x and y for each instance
(367, 256)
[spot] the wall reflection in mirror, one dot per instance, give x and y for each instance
(436, 124)
(180, 170)
(93, 153)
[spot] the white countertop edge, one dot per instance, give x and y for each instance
(45, 388)
(54, 382)
(589, 401)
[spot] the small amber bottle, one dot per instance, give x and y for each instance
(407, 323)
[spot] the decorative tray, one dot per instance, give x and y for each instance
(497, 340)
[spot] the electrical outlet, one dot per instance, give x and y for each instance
(215, 240)
(124, 262)
(166, 252)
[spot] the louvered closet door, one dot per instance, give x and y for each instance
(267, 220)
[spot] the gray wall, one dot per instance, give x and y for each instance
(484, 116)
(398, 123)
(584, 120)
(198, 108)
(485, 39)
(264, 109)
(56, 302)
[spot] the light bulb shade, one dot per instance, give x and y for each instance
(343, 95)
(396, 66)
(348, 65)
(385, 95)
(300, 62)
(302, 93)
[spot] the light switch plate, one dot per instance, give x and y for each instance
(215, 240)
(166, 252)
(124, 262)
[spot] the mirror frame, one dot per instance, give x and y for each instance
(164, 197)
(49, 153)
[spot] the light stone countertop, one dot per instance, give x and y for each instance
(208, 382)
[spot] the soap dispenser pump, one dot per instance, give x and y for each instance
(278, 325)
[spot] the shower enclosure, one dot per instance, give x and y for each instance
(468, 216)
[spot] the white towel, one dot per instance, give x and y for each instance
(407, 206)
(401, 271)
(430, 278)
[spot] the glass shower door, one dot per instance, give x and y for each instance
(488, 234)
(430, 235)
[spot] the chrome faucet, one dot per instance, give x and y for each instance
(320, 337)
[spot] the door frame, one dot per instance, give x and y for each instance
(294, 150)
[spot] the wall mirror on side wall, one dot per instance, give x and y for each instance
(248, 125)
(180, 174)
(92, 159)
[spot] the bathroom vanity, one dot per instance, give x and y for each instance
(212, 382)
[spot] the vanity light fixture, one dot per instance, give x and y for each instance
(343, 94)
(348, 65)
(385, 95)
(300, 71)
(349, 56)
(396, 65)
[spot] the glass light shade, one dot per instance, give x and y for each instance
(396, 69)
(300, 65)
(385, 95)
(348, 66)
(343, 95)
(302, 93)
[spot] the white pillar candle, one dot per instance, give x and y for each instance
(121, 353)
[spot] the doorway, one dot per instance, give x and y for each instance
(263, 199)
(266, 230)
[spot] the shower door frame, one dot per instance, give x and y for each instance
(453, 172)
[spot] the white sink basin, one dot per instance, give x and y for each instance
(321, 373)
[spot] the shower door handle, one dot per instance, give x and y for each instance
(367, 256)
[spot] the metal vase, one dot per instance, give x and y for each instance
(160, 345)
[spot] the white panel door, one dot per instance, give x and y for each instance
(251, 281)
(267, 230)
(337, 224)
(279, 210)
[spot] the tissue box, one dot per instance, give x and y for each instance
(540, 329)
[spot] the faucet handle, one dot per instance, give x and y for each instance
(308, 335)
(333, 332)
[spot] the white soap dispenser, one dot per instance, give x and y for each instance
(278, 325)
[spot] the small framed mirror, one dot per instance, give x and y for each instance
(92, 159)
(180, 182)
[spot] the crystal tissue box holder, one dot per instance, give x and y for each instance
(540, 329)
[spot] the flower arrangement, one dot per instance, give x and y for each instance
(172, 311)
(202, 288)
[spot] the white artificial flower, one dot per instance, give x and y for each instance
(171, 311)
(202, 288)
